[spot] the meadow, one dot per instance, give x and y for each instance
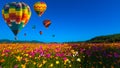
(64, 55)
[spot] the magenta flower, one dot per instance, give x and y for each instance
(36, 51)
(65, 58)
(59, 54)
(6, 51)
(31, 53)
(116, 55)
(16, 66)
(42, 53)
(88, 52)
(82, 50)
(109, 55)
(48, 55)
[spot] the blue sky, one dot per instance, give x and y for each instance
(72, 20)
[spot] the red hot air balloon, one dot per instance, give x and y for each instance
(40, 32)
(46, 23)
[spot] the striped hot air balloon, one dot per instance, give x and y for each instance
(16, 15)
(40, 7)
(46, 23)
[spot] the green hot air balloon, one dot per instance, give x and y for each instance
(16, 15)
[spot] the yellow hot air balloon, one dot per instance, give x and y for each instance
(40, 7)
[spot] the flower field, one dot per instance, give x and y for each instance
(77, 55)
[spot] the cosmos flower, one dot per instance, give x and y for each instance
(116, 55)
(40, 65)
(34, 63)
(65, 58)
(6, 51)
(51, 65)
(3, 60)
(78, 59)
(57, 62)
(70, 65)
(23, 66)
(48, 55)
(59, 54)
(44, 61)
(16, 66)
(19, 58)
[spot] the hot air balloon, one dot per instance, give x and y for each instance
(53, 35)
(16, 15)
(25, 34)
(40, 32)
(46, 23)
(33, 27)
(40, 7)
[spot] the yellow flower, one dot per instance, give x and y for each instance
(23, 66)
(72, 51)
(83, 56)
(40, 65)
(66, 60)
(12, 52)
(100, 62)
(36, 57)
(51, 65)
(51, 56)
(56, 57)
(78, 59)
(34, 63)
(70, 65)
(22, 53)
(44, 61)
(19, 58)
(57, 62)
(17, 51)
(3, 54)
(26, 54)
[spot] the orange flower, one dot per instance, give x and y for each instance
(3, 60)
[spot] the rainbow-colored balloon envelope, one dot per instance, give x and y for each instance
(16, 15)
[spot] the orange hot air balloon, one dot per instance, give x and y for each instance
(40, 32)
(46, 23)
(40, 7)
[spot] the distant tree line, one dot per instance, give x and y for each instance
(107, 38)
